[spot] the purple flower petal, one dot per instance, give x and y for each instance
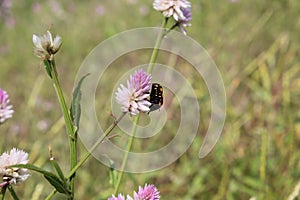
(6, 110)
(149, 192)
(133, 97)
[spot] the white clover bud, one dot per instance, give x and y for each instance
(44, 45)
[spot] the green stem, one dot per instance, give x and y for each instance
(51, 195)
(263, 162)
(157, 45)
(136, 120)
(3, 190)
(87, 155)
(68, 121)
(129, 146)
(13, 193)
(263, 155)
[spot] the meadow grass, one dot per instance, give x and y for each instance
(255, 45)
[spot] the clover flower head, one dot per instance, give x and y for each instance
(6, 110)
(172, 8)
(186, 22)
(44, 45)
(119, 197)
(133, 98)
(149, 192)
(13, 175)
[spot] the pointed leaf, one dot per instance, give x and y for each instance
(32, 167)
(54, 180)
(13, 193)
(48, 67)
(57, 184)
(75, 109)
(58, 170)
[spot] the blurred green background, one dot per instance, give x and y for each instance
(255, 45)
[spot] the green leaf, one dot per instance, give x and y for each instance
(13, 193)
(54, 180)
(58, 170)
(2, 194)
(33, 168)
(48, 67)
(75, 109)
(57, 184)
